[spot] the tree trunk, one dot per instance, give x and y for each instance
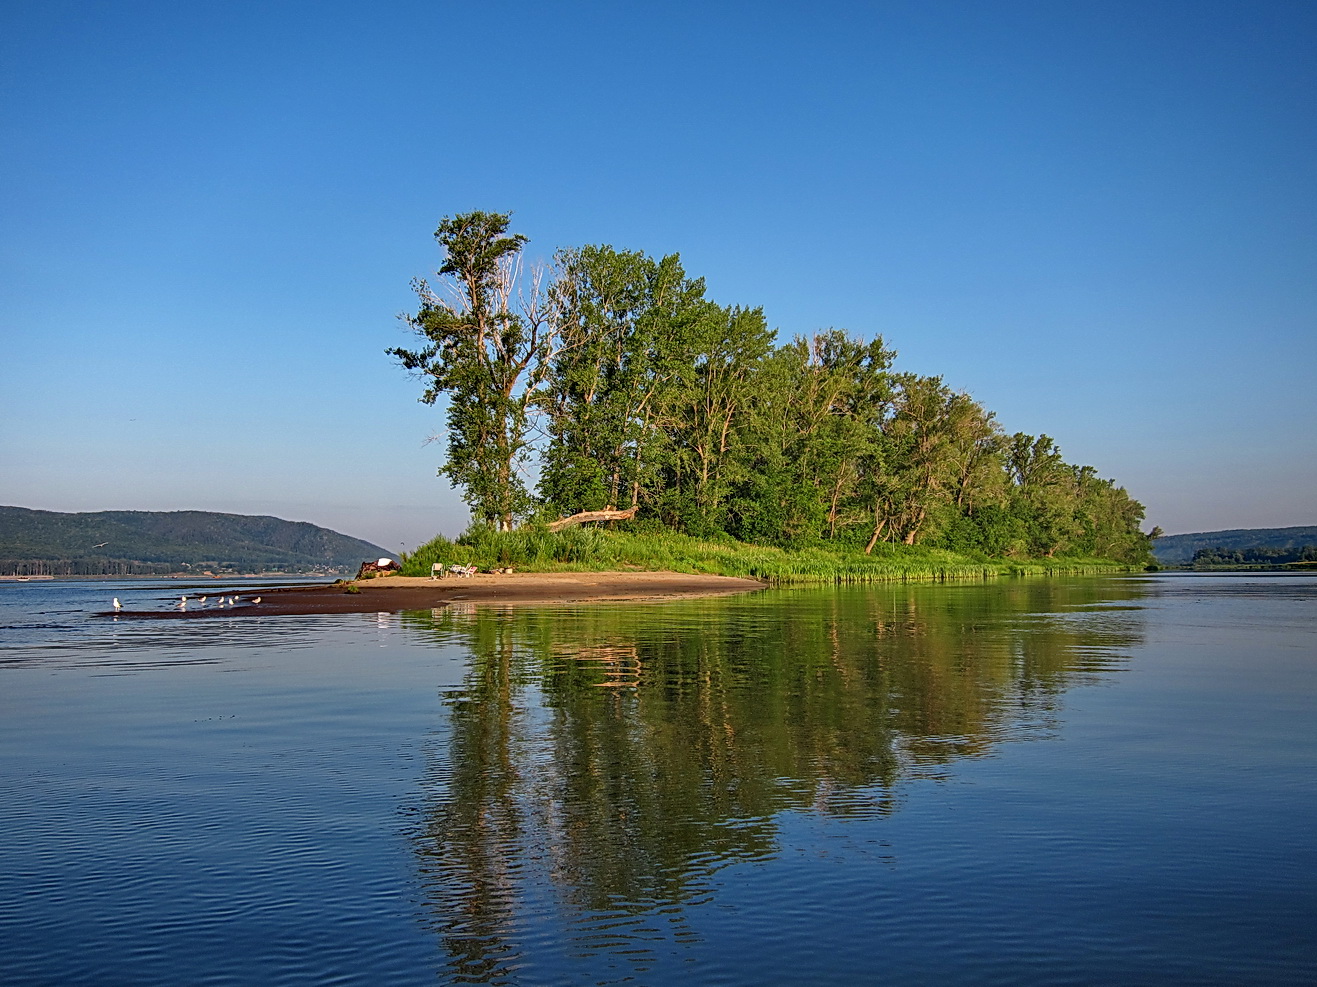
(585, 517)
(877, 530)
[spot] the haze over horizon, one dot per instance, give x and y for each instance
(1097, 219)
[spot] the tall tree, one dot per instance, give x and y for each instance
(487, 338)
(712, 365)
(1108, 520)
(816, 406)
(914, 473)
(620, 314)
(1044, 494)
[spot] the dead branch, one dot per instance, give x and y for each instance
(587, 517)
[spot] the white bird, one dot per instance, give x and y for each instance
(182, 603)
(117, 604)
(256, 599)
(201, 599)
(232, 600)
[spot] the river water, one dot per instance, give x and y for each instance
(1068, 781)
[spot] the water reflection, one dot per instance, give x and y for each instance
(60, 625)
(605, 762)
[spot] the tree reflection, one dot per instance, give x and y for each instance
(606, 760)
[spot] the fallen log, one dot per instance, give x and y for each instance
(586, 517)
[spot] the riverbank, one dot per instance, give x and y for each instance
(394, 593)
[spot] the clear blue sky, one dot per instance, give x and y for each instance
(1098, 218)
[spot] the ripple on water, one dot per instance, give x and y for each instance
(908, 785)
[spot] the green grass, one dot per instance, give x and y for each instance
(596, 550)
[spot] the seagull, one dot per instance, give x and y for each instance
(201, 599)
(117, 604)
(256, 599)
(182, 604)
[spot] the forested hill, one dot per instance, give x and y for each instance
(152, 542)
(1180, 549)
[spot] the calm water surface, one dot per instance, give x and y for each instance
(1064, 782)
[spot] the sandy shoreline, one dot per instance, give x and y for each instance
(392, 593)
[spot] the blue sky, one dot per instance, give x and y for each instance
(1097, 218)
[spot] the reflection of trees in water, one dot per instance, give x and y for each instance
(607, 760)
(472, 851)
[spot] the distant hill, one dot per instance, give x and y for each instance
(1179, 549)
(154, 542)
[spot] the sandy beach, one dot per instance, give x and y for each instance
(392, 593)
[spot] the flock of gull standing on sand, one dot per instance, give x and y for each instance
(200, 601)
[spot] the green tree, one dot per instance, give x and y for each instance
(487, 335)
(620, 315)
(654, 397)
(711, 368)
(816, 405)
(921, 464)
(1044, 495)
(1108, 520)
(977, 517)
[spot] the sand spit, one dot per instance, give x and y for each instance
(393, 593)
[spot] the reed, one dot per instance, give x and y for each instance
(535, 549)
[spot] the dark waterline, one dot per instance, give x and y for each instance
(1046, 781)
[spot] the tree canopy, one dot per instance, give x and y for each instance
(486, 337)
(617, 383)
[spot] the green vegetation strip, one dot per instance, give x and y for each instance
(594, 550)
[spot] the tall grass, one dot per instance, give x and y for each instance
(591, 549)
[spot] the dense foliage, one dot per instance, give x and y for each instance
(644, 393)
(1254, 556)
